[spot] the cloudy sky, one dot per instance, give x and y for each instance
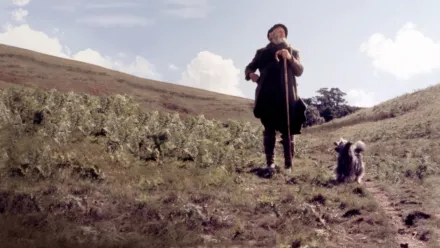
(372, 50)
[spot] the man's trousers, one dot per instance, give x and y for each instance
(269, 139)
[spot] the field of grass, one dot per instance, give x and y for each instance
(403, 156)
(80, 169)
(96, 158)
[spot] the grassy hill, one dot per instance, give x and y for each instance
(403, 157)
(29, 68)
(90, 170)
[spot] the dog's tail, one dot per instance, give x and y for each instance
(359, 146)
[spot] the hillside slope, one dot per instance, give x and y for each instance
(29, 68)
(402, 158)
(107, 174)
(168, 182)
(408, 110)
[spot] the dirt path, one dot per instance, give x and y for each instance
(405, 237)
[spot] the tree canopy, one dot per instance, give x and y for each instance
(329, 104)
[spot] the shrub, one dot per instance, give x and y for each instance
(41, 127)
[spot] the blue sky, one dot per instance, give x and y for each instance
(372, 50)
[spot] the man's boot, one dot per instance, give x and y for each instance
(269, 140)
(288, 160)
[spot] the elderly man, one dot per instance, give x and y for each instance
(270, 95)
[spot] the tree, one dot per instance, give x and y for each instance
(331, 103)
(326, 106)
(333, 97)
(313, 116)
(328, 114)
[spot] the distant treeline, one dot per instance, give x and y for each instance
(329, 104)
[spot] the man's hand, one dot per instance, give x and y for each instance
(284, 53)
(254, 77)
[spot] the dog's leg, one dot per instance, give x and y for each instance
(359, 178)
(339, 176)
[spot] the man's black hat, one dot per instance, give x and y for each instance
(276, 26)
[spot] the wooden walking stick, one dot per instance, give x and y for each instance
(289, 142)
(295, 97)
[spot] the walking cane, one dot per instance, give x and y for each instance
(289, 142)
(286, 84)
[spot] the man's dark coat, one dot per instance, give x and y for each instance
(270, 94)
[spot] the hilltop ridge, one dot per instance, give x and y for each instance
(33, 69)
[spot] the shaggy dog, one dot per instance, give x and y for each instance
(350, 164)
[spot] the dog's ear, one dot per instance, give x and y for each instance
(359, 146)
(340, 141)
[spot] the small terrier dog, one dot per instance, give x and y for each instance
(350, 163)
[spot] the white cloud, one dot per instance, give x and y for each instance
(93, 57)
(74, 6)
(66, 8)
(110, 5)
(115, 21)
(212, 72)
(140, 67)
(173, 67)
(361, 98)
(410, 53)
(188, 8)
(25, 37)
(19, 14)
(20, 2)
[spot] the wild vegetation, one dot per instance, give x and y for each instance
(81, 170)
